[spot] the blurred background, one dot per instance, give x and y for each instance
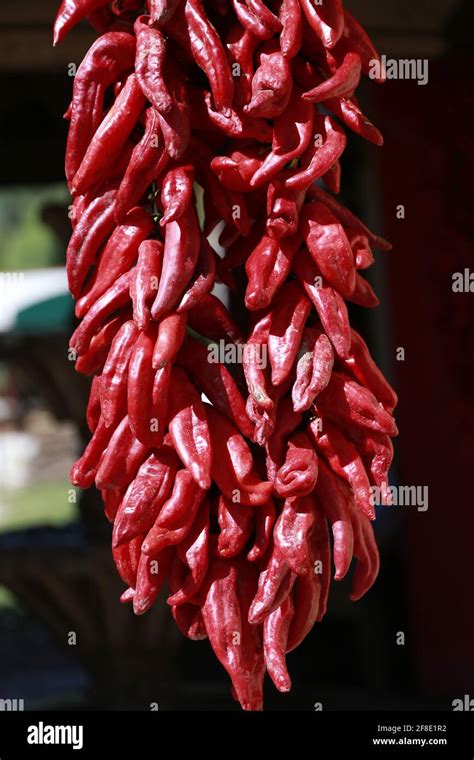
(56, 572)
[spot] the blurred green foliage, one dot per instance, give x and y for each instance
(26, 242)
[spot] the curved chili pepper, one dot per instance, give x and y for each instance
(126, 558)
(151, 574)
(283, 209)
(292, 132)
(329, 247)
(115, 297)
(189, 429)
(217, 384)
(236, 171)
(146, 495)
(364, 294)
(211, 319)
(111, 56)
(70, 13)
(265, 517)
(362, 367)
(113, 392)
(194, 32)
(327, 20)
(236, 524)
(341, 84)
(145, 279)
(330, 306)
(147, 391)
(376, 450)
(84, 470)
(148, 161)
(150, 65)
(176, 193)
(286, 330)
(202, 281)
(241, 46)
(94, 226)
(292, 533)
(346, 217)
(253, 361)
(344, 460)
(356, 39)
(320, 158)
(335, 501)
(188, 618)
(314, 368)
(182, 241)
(111, 137)
(347, 403)
(233, 469)
(117, 257)
(267, 268)
(112, 501)
(175, 124)
(93, 360)
(271, 84)
(274, 586)
(292, 28)
(236, 124)
(262, 12)
(122, 458)
(193, 552)
(252, 23)
(346, 110)
(365, 550)
(276, 628)
(176, 517)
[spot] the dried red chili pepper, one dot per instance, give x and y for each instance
(314, 368)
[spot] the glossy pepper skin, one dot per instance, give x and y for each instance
(236, 435)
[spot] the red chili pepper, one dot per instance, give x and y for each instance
(271, 83)
(356, 39)
(376, 450)
(346, 217)
(292, 533)
(93, 411)
(146, 495)
(182, 241)
(341, 84)
(363, 294)
(161, 11)
(151, 574)
(94, 226)
(236, 171)
(126, 558)
(365, 549)
(233, 470)
(362, 367)
(314, 368)
(211, 319)
(335, 501)
(111, 137)
(175, 124)
(171, 332)
(112, 501)
(332, 310)
(234, 123)
(188, 618)
(203, 279)
(122, 458)
(344, 460)
(113, 392)
(193, 553)
(326, 19)
(150, 65)
(299, 473)
(191, 28)
(241, 46)
(147, 162)
(329, 247)
(109, 58)
(84, 470)
(115, 297)
(117, 257)
(274, 586)
(332, 178)
(254, 363)
(147, 410)
(70, 13)
(347, 403)
(283, 209)
(236, 523)
(292, 28)
(267, 269)
(275, 641)
(362, 252)
(318, 159)
(265, 517)
(176, 193)
(352, 117)
(93, 360)
(252, 23)
(286, 330)
(216, 382)
(188, 427)
(176, 517)
(145, 279)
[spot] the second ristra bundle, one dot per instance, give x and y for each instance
(235, 449)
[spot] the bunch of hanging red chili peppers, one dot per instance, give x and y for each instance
(221, 479)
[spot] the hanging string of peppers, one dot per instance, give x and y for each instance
(238, 108)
